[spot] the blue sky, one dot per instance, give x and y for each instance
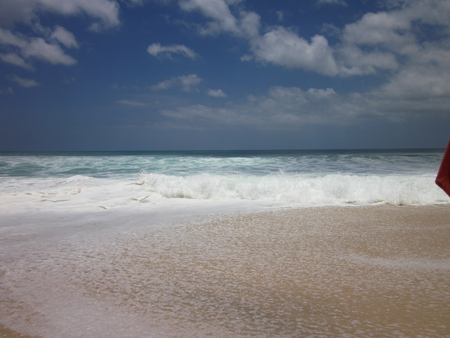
(223, 74)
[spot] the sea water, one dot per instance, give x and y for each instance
(105, 244)
(304, 178)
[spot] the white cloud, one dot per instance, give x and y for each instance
(250, 24)
(284, 108)
(278, 46)
(319, 94)
(16, 10)
(331, 30)
(64, 37)
(222, 20)
(383, 41)
(216, 93)
(356, 62)
(156, 49)
(16, 60)
(292, 108)
(189, 81)
(390, 30)
(433, 12)
(280, 15)
(8, 38)
(40, 49)
(217, 10)
(166, 84)
(418, 83)
(132, 3)
(394, 41)
(26, 83)
(285, 48)
(106, 11)
(18, 48)
(35, 47)
(246, 57)
(185, 82)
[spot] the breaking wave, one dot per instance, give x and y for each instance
(325, 190)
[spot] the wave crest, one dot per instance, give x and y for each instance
(324, 190)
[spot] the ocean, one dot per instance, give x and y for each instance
(191, 243)
(291, 177)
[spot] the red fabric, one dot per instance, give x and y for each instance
(443, 176)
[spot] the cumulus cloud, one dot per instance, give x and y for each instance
(283, 47)
(216, 93)
(217, 10)
(408, 93)
(421, 83)
(16, 60)
(40, 49)
(354, 61)
(156, 50)
(64, 37)
(384, 41)
(388, 30)
(185, 82)
(282, 108)
(250, 24)
(28, 48)
(279, 45)
(16, 10)
(290, 108)
(47, 44)
(26, 83)
(221, 18)
(394, 43)
(105, 11)
(8, 38)
(397, 41)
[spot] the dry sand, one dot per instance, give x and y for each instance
(380, 271)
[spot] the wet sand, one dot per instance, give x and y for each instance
(381, 271)
(6, 333)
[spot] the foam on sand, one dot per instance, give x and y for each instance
(329, 271)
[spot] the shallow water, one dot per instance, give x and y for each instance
(354, 272)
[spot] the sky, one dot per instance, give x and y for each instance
(224, 74)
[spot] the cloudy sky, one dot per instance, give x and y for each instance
(224, 74)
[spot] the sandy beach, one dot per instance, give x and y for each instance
(378, 271)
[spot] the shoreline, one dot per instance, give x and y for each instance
(357, 271)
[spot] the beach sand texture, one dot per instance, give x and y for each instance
(379, 271)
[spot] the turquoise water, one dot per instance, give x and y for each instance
(263, 162)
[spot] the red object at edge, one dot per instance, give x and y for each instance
(443, 176)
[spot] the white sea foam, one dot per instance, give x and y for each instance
(324, 190)
(280, 178)
(87, 193)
